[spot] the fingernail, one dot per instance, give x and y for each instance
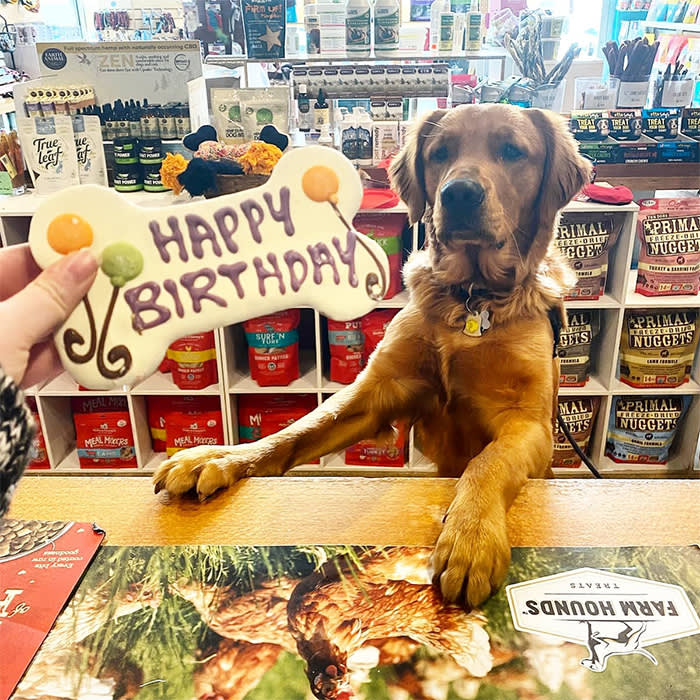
(80, 265)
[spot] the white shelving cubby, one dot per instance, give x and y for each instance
(53, 398)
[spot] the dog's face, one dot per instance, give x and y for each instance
(492, 179)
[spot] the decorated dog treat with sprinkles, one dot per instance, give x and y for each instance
(188, 268)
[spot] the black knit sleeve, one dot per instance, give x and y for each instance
(17, 431)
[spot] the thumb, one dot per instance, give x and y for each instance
(48, 300)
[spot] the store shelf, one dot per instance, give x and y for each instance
(162, 384)
(63, 385)
(593, 387)
(690, 387)
(70, 465)
(647, 177)
(674, 27)
(634, 300)
(243, 383)
(605, 302)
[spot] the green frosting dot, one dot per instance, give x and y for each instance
(121, 262)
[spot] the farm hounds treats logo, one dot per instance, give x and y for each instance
(611, 614)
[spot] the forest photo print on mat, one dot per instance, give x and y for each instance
(297, 623)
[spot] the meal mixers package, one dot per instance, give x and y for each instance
(273, 348)
(642, 428)
(191, 428)
(669, 255)
(586, 239)
(347, 346)
(103, 434)
(657, 347)
(579, 416)
(574, 349)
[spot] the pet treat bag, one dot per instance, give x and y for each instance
(260, 415)
(586, 239)
(193, 361)
(347, 350)
(574, 349)
(265, 23)
(642, 428)
(669, 255)
(226, 108)
(104, 439)
(367, 453)
(273, 348)
(579, 416)
(657, 347)
(185, 429)
(263, 106)
(374, 325)
(156, 409)
(387, 230)
(40, 458)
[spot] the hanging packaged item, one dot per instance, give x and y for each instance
(192, 361)
(49, 148)
(586, 240)
(642, 428)
(87, 133)
(387, 230)
(669, 255)
(265, 24)
(347, 350)
(261, 415)
(574, 349)
(374, 326)
(263, 106)
(226, 108)
(273, 348)
(579, 417)
(392, 451)
(657, 347)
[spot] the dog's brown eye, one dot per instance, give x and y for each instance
(511, 153)
(440, 154)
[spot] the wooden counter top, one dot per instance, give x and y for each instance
(336, 510)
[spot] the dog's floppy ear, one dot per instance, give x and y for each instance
(565, 172)
(407, 168)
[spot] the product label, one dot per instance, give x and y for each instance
(386, 28)
(625, 124)
(357, 29)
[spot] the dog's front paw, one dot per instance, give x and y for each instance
(206, 468)
(472, 554)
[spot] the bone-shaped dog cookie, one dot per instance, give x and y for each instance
(190, 267)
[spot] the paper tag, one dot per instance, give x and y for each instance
(677, 93)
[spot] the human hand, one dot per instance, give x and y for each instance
(33, 304)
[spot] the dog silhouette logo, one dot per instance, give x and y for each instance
(606, 639)
(609, 614)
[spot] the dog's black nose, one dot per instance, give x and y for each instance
(462, 193)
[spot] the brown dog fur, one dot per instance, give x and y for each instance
(482, 407)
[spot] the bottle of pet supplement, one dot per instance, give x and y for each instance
(387, 20)
(358, 28)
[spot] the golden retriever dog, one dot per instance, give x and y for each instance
(488, 181)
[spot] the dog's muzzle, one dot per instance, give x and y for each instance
(461, 200)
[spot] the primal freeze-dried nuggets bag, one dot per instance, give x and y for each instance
(574, 349)
(586, 239)
(657, 347)
(579, 417)
(642, 428)
(669, 255)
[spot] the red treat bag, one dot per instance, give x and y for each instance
(192, 361)
(273, 348)
(367, 453)
(41, 457)
(164, 366)
(104, 439)
(374, 326)
(387, 230)
(260, 415)
(190, 429)
(347, 349)
(669, 255)
(156, 409)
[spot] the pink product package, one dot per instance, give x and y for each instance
(669, 255)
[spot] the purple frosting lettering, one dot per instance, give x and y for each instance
(292, 257)
(200, 230)
(200, 292)
(161, 240)
(347, 256)
(139, 306)
(255, 214)
(282, 215)
(263, 274)
(171, 288)
(233, 272)
(320, 256)
(227, 221)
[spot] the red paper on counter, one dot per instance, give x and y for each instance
(40, 565)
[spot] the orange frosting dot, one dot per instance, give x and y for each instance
(320, 184)
(69, 232)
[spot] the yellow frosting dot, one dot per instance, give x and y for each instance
(320, 184)
(69, 232)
